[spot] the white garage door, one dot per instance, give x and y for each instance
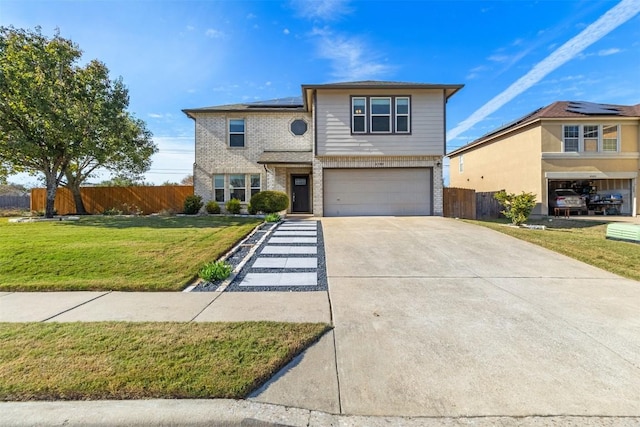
(393, 191)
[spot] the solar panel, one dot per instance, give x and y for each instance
(292, 101)
(589, 108)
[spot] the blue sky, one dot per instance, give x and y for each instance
(512, 56)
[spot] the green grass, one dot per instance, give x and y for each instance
(107, 253)
(112, 360)
(581, 240)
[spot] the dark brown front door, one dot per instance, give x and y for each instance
(300, 193)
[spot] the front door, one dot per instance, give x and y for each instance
(300, 193)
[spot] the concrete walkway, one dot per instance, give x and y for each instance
(437, 322)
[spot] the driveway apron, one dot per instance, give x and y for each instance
(436, 317)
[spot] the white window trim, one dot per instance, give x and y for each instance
(581, 137)
(461, 163)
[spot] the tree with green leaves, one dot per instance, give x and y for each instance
(63, 120)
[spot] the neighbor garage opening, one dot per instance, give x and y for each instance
(603, 196)
(379, 191)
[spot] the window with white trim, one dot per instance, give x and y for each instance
(380, 114)
(609, 137)
(571, 138)
(236, 186)
(461, 163)
(590, 138)
(236, 133)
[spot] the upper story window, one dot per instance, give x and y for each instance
(461, 163)
(298, 127)
(236, 133)
(378, 114)
(590, 138)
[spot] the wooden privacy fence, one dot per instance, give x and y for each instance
(459, 203)
(487, 206)
(466, 203)
(98, 199)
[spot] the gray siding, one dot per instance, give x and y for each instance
(334, 138)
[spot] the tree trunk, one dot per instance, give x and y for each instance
(77, 198)
(52, 187)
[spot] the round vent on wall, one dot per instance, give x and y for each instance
(298, 127)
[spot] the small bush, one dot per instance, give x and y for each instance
(212, 207)
(272, 217)
(251, 210)
(192, 204)
(112, 211)
(216, 270)
(517, 207)
(233, 206)
(270, 201)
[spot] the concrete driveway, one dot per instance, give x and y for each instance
(435, 317)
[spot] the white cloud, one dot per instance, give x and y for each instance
(251, 16)
(613, 18)
(498, 58)
(155, 116)
(286, 31)
(327, 10)
(607, 52)
(190, 28)
(351, 58)
(214, 34)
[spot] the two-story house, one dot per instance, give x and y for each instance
(590, 148)
(342, 149)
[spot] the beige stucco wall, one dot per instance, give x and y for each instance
(521, 161)
(512, 164)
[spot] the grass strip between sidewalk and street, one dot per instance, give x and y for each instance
(581, 240)
(119, 360)
(101, 253)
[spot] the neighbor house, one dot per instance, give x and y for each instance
(591, 148)
(358, 148)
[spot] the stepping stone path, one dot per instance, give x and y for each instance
(289, 260)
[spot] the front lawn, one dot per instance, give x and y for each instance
(113, 360)
(579, 239)
(114, 253)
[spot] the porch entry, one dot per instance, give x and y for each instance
(300, 202)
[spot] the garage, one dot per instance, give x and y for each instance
(384, 191)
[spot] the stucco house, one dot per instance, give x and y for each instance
(341, 149)
(588, 147)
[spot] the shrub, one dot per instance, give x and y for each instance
(270, 201)
(216, 270)
(517, 207)
(123, 209)
(212, 207)
(272, 217)
(192, 204)
(251, 210)
(233, 206)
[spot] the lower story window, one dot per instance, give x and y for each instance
(255, 184)
(218, 187)
(236, 186)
